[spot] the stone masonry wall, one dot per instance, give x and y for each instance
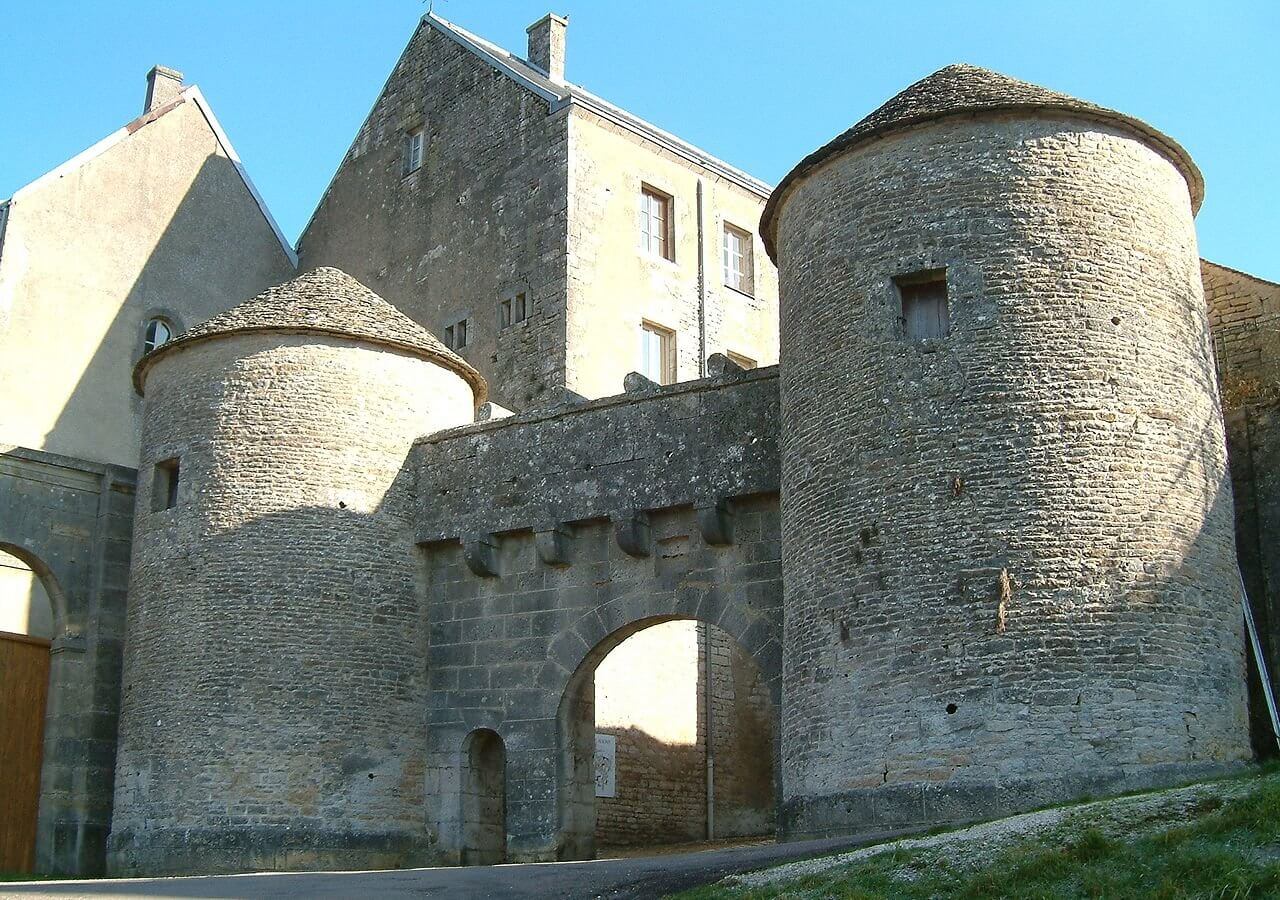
(483, 218)
(272, 713)
(1244, 313)
(551, 537)
(1010, 570)
(70, 521)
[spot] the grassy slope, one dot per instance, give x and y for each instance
(1225, 849)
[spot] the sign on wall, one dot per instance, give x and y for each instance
(606, 765)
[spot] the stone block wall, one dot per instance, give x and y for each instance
(1244, 314)
(70, 520)
(1010, 571)
(551, 537)
(483, 218)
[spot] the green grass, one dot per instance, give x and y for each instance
(1226, 850)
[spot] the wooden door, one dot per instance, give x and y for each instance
(24, 685)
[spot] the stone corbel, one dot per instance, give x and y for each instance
(631, 530)
(715, 522)
(552, 544)
(480, 553)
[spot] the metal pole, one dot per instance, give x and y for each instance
(1263, 675)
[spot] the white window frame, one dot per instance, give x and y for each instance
(657, 353)
(656, 229)
(414, 145)
(738, 259)
(151, 338)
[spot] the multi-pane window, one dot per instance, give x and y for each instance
(413, 150)
(164, 485)
(455, 335)
(513, 309)
(158, 332)
(657, 353)
(739, 267)
(924, 305)
(655, 223)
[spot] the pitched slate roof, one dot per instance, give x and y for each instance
(325, 301)
(561, 94)
(964, 89)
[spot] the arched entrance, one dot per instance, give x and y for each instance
(669, 735)
(26, 629)
(484, 803)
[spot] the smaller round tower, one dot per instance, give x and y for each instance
(271, 713)
(1009, 567)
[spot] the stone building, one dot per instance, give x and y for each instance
(150, 231)
(968, 548)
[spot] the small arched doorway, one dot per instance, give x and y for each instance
(26, 630)
(669, 735)
(484, 799)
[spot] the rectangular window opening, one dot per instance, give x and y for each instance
(413, 142)
(657, 353)
(164, 485)
(739, 264)
(655, 223)
(513, 310)
(925, 316)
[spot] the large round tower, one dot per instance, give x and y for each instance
(273, 668)
(1010, 576)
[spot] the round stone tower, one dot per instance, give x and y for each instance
(273, 672)
(1009, 568)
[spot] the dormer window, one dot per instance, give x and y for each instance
(158, 332)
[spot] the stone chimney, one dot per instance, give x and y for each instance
(546, 45)
(164, 85)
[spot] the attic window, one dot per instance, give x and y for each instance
(164, 485)
(455, 335)
(925, 316)
(513, 310)
(413, 151)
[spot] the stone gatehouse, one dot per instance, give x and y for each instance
(946, 502)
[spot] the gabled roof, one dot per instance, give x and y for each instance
(324, 301)
(965, 89)
(560, 95)
(191, 94)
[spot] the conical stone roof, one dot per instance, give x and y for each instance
(324, 301)
(965, 89)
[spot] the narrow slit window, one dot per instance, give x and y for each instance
(925, 316)
(164, 485)
(738, 263)
(413, 143)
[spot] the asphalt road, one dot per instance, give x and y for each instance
(646, 876)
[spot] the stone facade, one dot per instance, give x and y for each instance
(1244, 313)
(248, 663)
(482, 219)
(1007, 551)
(70, 522)
(531, 186)
(951, 575)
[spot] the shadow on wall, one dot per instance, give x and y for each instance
(208, 258)
(284, 659)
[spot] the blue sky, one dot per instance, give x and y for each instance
(759, 84)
